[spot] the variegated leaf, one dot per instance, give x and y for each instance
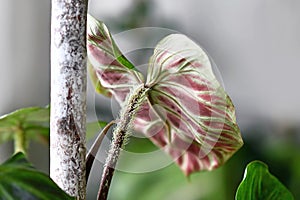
(188, 113)
(110, 71)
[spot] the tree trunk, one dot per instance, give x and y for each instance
(68, 96)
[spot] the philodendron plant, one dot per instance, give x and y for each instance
(180, 106)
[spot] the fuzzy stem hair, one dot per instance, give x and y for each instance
(120, 135)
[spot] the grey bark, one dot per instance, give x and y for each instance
(68, 96)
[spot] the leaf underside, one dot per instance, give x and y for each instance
(260, 184)
(187, 113)
(194, 117)
(33, 121)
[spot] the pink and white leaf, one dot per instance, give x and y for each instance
(187, 113)
(112, 74)
(197, 126)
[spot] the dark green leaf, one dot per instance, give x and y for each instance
(260, 184)
(18, 160)
(20, 181)
(33, 121)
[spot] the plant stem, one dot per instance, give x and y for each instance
(121, 132)
(20, 141)
(94, 149)
(68, 96)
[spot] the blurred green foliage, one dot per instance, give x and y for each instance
(280, 151)
(25, 124)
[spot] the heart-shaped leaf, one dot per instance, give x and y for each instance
(195, 119)
(260, 184)
(19, 180)
(186, 111)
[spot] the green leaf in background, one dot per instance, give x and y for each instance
(29, 123)
(260, 184)
(33, 123)
(19, 180)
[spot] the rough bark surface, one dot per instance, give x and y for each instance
(68, 96)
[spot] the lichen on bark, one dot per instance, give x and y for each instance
(68, 96)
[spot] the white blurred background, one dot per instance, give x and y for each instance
(255, 45)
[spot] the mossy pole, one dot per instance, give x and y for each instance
(68, 96)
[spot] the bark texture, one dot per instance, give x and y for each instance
(68, 96)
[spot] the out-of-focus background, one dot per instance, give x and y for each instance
(255, 45)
